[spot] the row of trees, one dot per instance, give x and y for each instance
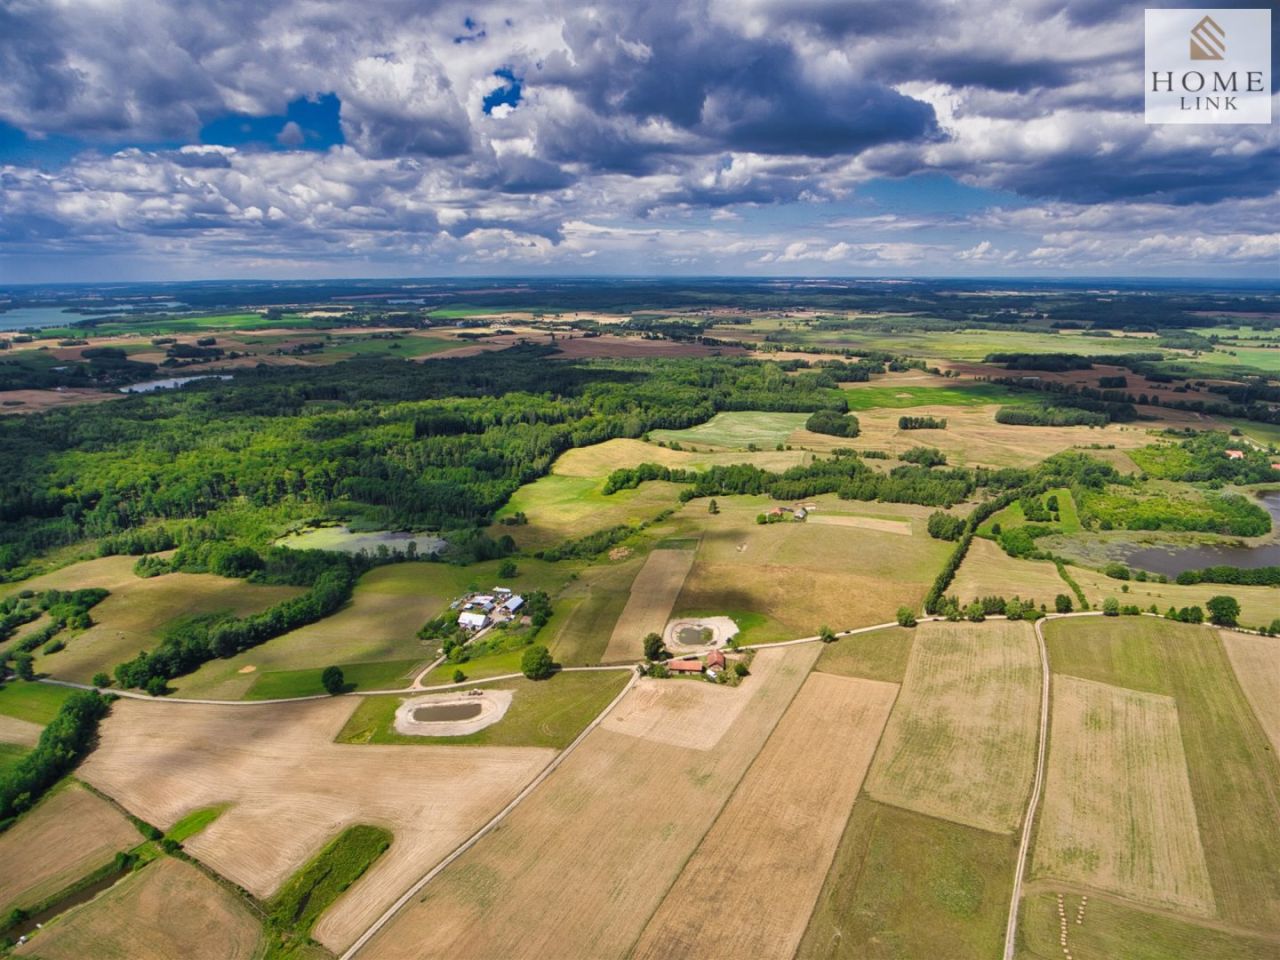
(66, 739)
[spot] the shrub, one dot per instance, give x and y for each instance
(1111, 607)
(536, 664)
(740, 668)
(826, 634)
(654, 648)
(1224, 611)
(23, 666)
(1062, 603)
(906, 617)
(100, 679)
(459, 676)
(1116, 571)
(833, 423)
(943, 526)
(333, 680)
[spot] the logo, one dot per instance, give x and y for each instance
(1208, 41)
(1208, 66)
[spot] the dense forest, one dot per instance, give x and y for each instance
(436, 446)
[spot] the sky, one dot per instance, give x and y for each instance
(166, 139)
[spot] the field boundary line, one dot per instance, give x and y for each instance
(489, 827)
(720, 810)
(1011, 928)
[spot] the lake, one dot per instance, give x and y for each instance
(1173, 559)
(147, 386)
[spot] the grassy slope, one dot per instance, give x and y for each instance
(1235, 778)
(880, 655)
(544, 713)
(379, 675)
(33, 702)
(905, 885)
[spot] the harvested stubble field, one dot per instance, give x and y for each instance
(1231, 765)
(291, 789)
(797, 576)
(1117, 813)
(22, 733)
(653, 594)
(973, 437)
(1118, 930)
(110, 573)
(961, 741)
(684, 712)
(167, 909)
(1256, 661)
(767, 854)
(134, 617)
(639, 806)
(904, 885)
(69, 834)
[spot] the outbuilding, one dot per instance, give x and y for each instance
(715, 659)
(470, 620)
(684, 666)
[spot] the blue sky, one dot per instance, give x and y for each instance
(155, 140)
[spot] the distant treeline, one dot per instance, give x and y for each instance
(438, 446)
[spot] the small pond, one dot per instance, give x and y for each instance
(438, 713)
(693, 636)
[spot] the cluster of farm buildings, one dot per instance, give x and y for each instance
(712, 665)
(480, 610)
